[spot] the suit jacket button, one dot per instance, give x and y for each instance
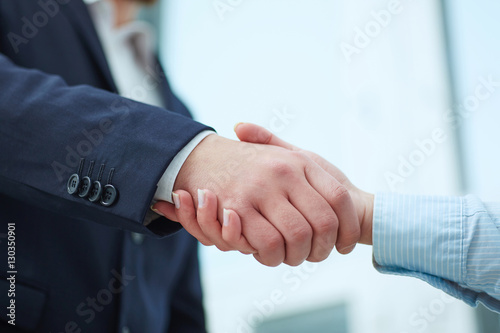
(109, 195)
(73, 183)
(85, 186)
(95, 191)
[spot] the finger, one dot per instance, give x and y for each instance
(293, 227)
(186, 215)
(256, 134)
(264, 238)
(340, 200)
(166, 209)
(231, 232)
(322, 219)
(208, 220)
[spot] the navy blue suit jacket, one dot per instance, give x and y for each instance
(78, 267)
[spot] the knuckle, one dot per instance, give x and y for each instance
(326, 225)
(340, 193)
(274, 243)
(300, 234)
(281, 168)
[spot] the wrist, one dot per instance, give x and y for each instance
(191, 171)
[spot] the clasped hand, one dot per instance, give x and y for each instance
(276, 201)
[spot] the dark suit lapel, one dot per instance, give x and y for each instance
(78, 14)
(164, 86)
(172, 103)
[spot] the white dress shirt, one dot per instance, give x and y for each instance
(130, 53)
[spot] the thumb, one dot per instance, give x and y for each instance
(257, 134)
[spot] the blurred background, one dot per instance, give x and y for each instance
(364, 84)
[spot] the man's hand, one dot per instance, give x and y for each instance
(291, 209)
(363, 201)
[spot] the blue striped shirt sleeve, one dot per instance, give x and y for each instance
(452, 243)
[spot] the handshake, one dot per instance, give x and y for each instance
(276, 201)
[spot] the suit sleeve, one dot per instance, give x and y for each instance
(47, 128)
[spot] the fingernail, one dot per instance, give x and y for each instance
(226, 218)
(177, 200)
(237, 124)
(201, 198)
(156, 211)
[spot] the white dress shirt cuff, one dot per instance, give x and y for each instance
(166, 183)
